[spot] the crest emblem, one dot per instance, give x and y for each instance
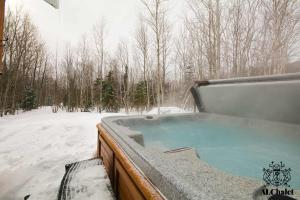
(277, 175)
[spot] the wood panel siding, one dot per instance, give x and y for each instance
(128, 182)
(127, 190)
(107, 156)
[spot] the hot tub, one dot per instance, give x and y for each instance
(242, 126)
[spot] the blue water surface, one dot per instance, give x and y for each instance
(231, 148)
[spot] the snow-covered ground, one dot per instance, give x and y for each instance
(36, 145)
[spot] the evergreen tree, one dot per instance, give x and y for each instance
(124, 90)
(29, 101)
(110, 101)
(97, 93)
(140, 95)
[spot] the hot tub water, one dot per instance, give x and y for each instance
(234, 149)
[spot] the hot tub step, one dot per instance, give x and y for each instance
(85, 180)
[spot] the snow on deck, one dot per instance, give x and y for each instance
(36, 145)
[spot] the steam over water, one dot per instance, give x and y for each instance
(232, 148)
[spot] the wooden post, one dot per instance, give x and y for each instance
(2, 11)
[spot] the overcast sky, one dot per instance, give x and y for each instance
(75, 18)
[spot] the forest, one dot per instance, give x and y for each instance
(217, 39)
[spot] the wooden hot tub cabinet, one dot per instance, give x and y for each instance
(127, 180)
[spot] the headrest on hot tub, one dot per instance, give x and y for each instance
(275, 98)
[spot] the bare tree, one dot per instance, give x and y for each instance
(86, 70)
(281, 21)
(156, 19)
(25, 58)
(219, 39)
(2, 12)
(241, 31)
(99, 36)
(143, 45)
(165, 49)
(123, 58)
(205, 22)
